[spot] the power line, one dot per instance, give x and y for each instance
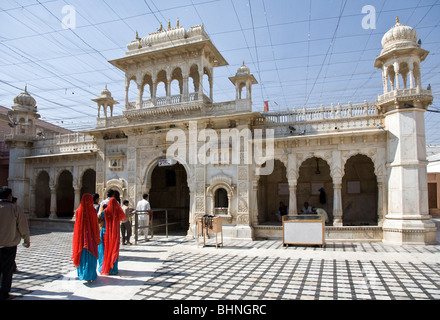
(328, 49)
(48, 75)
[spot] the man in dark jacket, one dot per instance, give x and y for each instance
(13, 227)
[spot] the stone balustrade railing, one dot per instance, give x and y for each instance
(322, 119)
(417, 91)
(65, 143)
(174, 99)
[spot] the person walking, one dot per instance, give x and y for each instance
(102, 205)
(144, 210)
(86, 239)
(110, 194)
(126, 225)
(110, 238)
(96, 202)
(13, 228)
(14, 201)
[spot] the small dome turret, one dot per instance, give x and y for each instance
(105, 100)
(400, 36)
(105, 93)
(243, 71)
(24, 101)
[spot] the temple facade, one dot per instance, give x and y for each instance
(363, 163)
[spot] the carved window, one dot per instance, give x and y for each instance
(221, 198)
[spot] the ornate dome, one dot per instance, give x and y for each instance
(243, 71)
(105, 93)
(399, 36)
(164, 36)
(25, 100)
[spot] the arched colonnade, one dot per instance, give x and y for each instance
(353, 195)
(168, 85)
(58, 195)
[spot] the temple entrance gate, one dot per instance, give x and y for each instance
(169, 190)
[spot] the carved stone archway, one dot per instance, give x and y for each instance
(220, 181)
(119, 185)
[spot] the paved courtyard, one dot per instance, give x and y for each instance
(175, 268)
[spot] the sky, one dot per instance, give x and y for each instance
(302, 53)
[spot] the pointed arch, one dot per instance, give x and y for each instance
(42, 195)
(161, 87)
(168, 188)
(359, 192)
(65, 194)
(88, 182)
(176, 82)
(315, 173)
(147, 79)
(131, 93)
(194, 74)
(272, 189)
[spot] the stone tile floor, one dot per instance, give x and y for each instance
(175, 269)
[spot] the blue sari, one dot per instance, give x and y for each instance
(87, 266)
(101, 250)
(85, 239)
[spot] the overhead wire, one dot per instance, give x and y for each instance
(87, 49)
(274, 58)
(263, 96)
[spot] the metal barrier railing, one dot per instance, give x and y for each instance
(150, 227)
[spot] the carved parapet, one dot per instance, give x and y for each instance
(405, 98)
(300, 122)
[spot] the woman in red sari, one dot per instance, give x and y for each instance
(86, 239)
(110, 238)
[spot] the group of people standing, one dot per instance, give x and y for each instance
(97, 234)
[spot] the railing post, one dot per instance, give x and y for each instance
(166, 221)
(136, 226)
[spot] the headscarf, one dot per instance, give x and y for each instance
(86, 230)
(113, 215)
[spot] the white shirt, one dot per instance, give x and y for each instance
(143, 205)
(307, 210)
(323, 213)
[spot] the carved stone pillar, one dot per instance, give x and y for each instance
(380, 201)
(293, 205)
(211, 85)
(53, 203)
(185, 89)
(397, 71)
(337, 202)
(140, 92)
(32, 203)
(411, 73)
(77, 200)
(127, 87)
(168, 89)
(385, 79)
(200, 91)
(254, 203)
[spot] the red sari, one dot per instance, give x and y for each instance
(112, 238)
(86, 230)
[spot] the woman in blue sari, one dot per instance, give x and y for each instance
(86, 239)
(110, 238)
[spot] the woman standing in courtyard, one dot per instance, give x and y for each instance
(110, 238)
(86, 239)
